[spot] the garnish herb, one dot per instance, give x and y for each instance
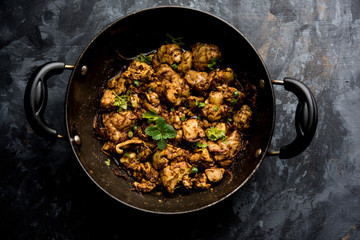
(130, 134)
(161, 132)
(120, 102)
(233, 101)
(236, 94)
(136, 83)
(201, 145)
(216, 108)
(182, 118)
(127, 154)
(143, 58)
(194, 170)
(150, 116)
(134, 128)
(213, 63)
(130, 99)
(174, 66)
(215, 134)
(199, 104)
(107, 162)
(133, 103)
(177, 41)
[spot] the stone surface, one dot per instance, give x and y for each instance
(45, 194)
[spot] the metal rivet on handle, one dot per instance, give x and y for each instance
(84, 70)
(258, 152)
(77, 139)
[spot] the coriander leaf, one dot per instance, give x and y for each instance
(120, 102)
(215, 134)
(150, 116)
(199, 104)
(161, 144)
(201, 145)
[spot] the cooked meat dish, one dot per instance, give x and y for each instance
(175, 118)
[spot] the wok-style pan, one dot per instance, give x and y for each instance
(142, 32)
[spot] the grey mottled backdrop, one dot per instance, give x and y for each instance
(44, 194)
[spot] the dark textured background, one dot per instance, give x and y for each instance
(45, 194)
